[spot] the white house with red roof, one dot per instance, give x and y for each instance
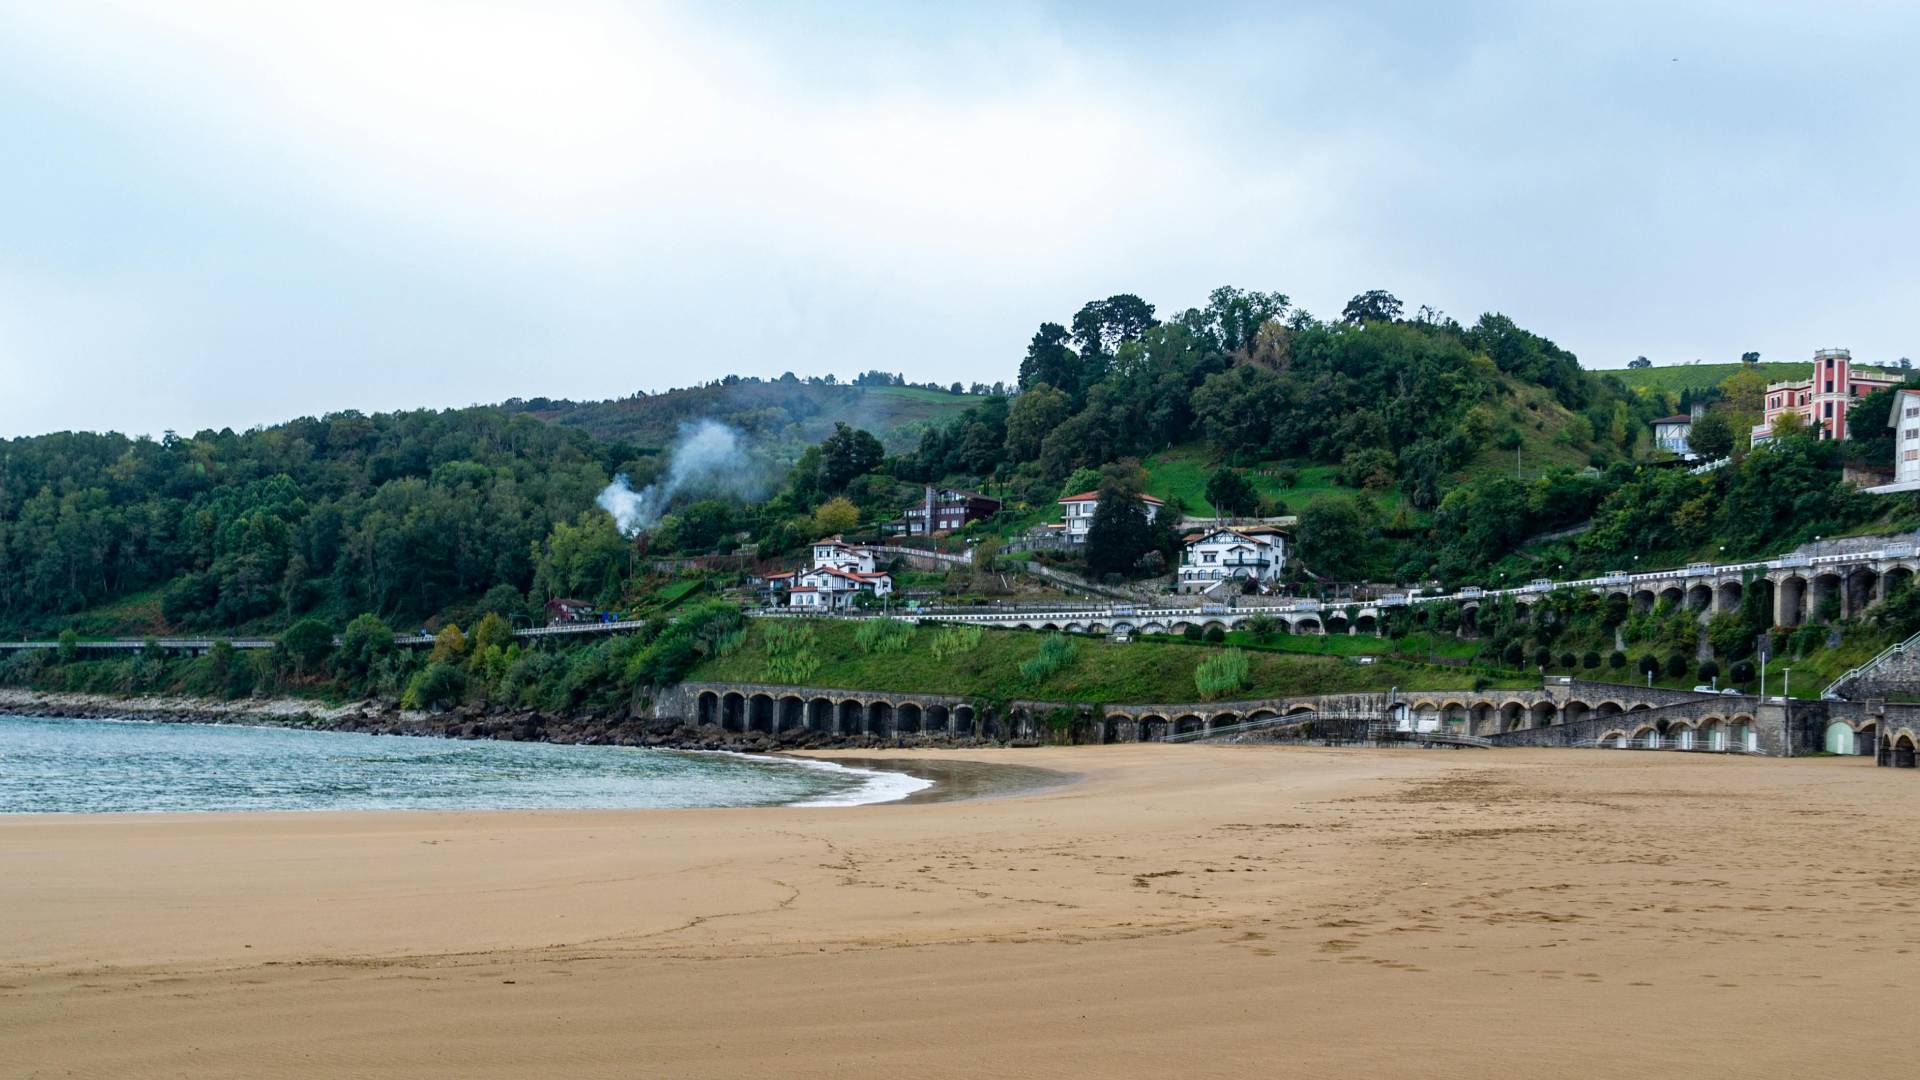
(1079, 513)
(840, 574)
(1253, 552)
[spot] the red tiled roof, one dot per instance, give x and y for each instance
(1677, 418)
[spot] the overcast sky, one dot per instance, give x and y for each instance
(233, 213)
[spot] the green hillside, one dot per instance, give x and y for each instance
(793, 413)
(1100, 670)
(1673, 378)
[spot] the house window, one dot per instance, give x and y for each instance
(1913, 455)
(1913, 433)
(1829, 410)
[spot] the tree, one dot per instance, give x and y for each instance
(1101, 326)
(835, 516)
(1050, 361)
(1711, 436)
(491, 632)
(1231, 493)
(1869, 436)
(1749, 357)
(364, 642)
(1374, 305)
(1639, 362)
(435, 686)
(1032, 417)
(1616, 660)
(845, 454)
(1119, 534)
(69, 645)
(307, 644)
(1335, 535)
(1676, 665)
(449, 646)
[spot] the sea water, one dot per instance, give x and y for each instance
(108, 766)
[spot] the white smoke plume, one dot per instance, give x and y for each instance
(708, 459)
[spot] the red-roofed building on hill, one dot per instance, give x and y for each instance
(1824, 399)
(1080, 508)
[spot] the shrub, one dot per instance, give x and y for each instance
(1221, 673)
(1676, 666)
(1515, 654)
(437, 685)
(307, 644)
(365, 640)
(1707, 671)
(1191, 633)
(1590, 660)
(1214, 634)
(449, 645)
(1542, 657)
(1261, 625)
(69, 646)
(1647, 665)
(790, 652)
(1617, 660)
(1567, 661)
(951, 641)
(884, 636)
(1742, 671)
(1056, 652)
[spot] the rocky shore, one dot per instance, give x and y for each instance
(372, 717)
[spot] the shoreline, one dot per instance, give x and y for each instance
(937, 781)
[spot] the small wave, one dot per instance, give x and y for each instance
(880, 786)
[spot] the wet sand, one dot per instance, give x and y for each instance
(956, 779)
(1179, 911)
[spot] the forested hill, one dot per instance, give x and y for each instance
(788, 410)
(1410, 447)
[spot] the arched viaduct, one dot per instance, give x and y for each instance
(752, 707)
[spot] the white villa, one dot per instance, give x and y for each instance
(841, 572)
(1080, 508)
(1256, 552)
(1904, 419)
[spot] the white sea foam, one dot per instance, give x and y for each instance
(882, 785)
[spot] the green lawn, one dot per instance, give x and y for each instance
(1102, 671)
(1674, 378)
(1182, 472)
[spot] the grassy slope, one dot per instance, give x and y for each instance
(1674, 378)
(1141, 672)
(1183, 471)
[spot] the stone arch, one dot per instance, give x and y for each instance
(706, 710)
(1673, 596)
(1862, 586)
(1607, 708)
(1221, 720)
(1337, 624)
(1258, 715)
(820, 715)
(733, 711)
(1483, 718)
(1903, 750)
(1740, 732)
(1053, 626)
(880, 718)
(1574, 711)
(1453, 715)
(1543, 714)
(1613, 740)
(1713, 732)
(1643, 600)
(851, 718)
(906, 718)
(1076, 628)
(1790, 600)
(1513, 715)
(1727, 596)
(1212, 624)
(1153, 628)
(1826, 588)
(1839, 738)
(1699, 597)
(1186, 723)
(1646, 737)
(760, 713)
(1180, 627)
(1640, 706)
(1894, 576)
(1366, 624)
(1153, 727)
(790, 714)
(1308, 624)
(962, 722)
(1681, 735)
(936, 720)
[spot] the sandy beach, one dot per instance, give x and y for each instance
(1178, 911)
